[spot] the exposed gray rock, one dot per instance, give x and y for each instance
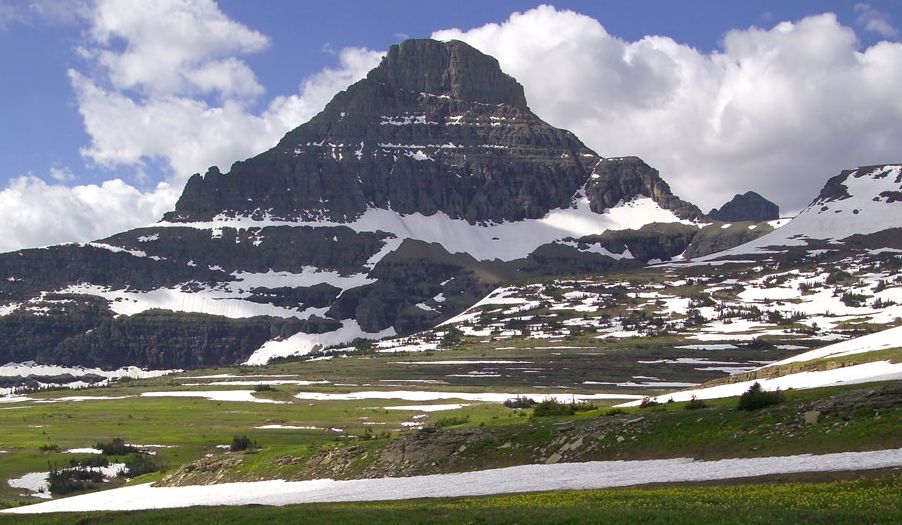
(748, 206)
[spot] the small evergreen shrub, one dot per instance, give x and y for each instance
(520, 402)
(116, 447)
(756, 398)
(552, 407)
(140, 464)
(65, 481)
(240, 443)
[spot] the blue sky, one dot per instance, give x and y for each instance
(56, 85)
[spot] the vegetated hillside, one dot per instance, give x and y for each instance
(817, 421)
(810, 296)
(429, 182)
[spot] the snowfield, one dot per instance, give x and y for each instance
(850, 375)
(246, 396)
(882, 340)
(421, 395)
(525, 478)
(303, 343)
(862, 373)
(30, 368)
(866, 211)
(506, 241)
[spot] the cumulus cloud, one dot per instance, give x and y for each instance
(61, 174)
(188, 134)
(875, 21)
(158, 63)
(169, 47)
(776, 110)
(35, 213)
(164, 83)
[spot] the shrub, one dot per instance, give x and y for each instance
(116, 447)
(756, 398)
(552, 407)
(64, 481)
(695, 404)
(263, 388)
(240, 443)
(140, 464)
(452, 337)
(838, 276)
(520, 402)
(50, 448)
(93, 461)
(853, 299)
(614, 412)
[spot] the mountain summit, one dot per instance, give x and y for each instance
(453, 69)
(748, 206)
(436, 127)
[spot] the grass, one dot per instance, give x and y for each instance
(197, 426)
(194, 426)
(853, 501)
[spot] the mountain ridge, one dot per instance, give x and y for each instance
(389, 212)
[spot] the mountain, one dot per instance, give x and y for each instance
(414, 193)
(748, 206)
(859, 209)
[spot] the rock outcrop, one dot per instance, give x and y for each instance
(748, 206)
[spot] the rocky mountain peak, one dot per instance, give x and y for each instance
(453, 69)
(881, 182)
(748, 206)
(620, 179)
(436, 127)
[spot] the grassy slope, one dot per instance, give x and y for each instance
(665, 431)
(836, 502)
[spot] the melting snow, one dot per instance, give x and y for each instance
(864, 373)
(883, 340)
(489, 397)
(246, 396)
(524, 478)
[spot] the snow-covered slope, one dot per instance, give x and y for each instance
(863, 201)
(524, 478)
(506, 241)
(865, 372)
(882, 340)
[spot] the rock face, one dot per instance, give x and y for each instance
(436, 127)
(748, 206)
(619, 180)
(409, 197)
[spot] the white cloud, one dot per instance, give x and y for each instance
(776, 110)
(145, 96)
(35, 213)
(874, 21)
(190, 135)
(168, 47)
(61, 174)
(41, 12)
